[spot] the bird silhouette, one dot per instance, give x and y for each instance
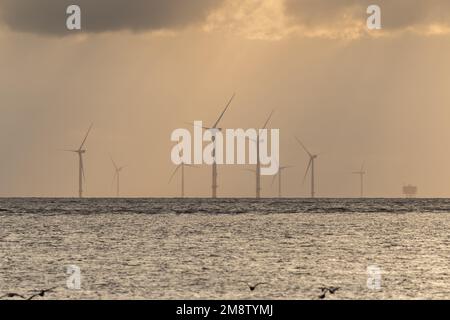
(326, 290)
(41, 293)
(12, 295)
(253, 287)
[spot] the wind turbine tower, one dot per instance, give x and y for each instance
(279, 175)
(312, 158)
(258, 160)
(214, 130)
(361, 174)
(116, 177)
(80, 151)
(182, 166)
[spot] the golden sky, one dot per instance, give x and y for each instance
(138, 71)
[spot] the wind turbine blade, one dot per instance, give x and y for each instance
(65, 150)
(268, 119)
(84, 141)
(194, 125)
(306, 172)
(114, 164)
(255, 140)
(303, 146)
(191, 166)
(362, 166)
(274, 178)
(174, 172)
(223, 112)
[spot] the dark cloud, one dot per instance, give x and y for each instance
(49, 16)
(396, 14)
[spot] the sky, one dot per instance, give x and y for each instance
(139, 70)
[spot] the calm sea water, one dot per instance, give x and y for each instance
(198, 248)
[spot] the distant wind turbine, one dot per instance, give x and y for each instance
(116, 177)
(258, 160)
(279, 174)
(80, 151)
(182, 165)
(256, 174)
(214, 129)
(312, 158)
(361, 174)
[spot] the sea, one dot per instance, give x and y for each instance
(213, 249)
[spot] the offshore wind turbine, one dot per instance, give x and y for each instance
(116, 177)
(80, 151)
(255, 172)
(361, 174)
(214, 129)
(279, 174)
(312, 158)
(258, 161)
(181, 165)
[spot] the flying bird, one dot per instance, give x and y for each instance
(41, 293)
(12, 295)
(253, 287)
(326, 290)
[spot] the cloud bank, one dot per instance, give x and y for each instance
(341, 16)
(254, 19)
(49, 16)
